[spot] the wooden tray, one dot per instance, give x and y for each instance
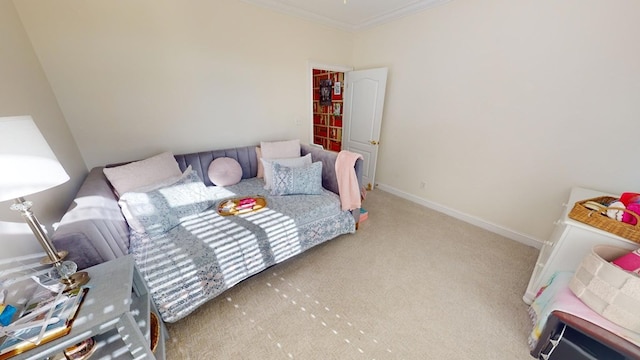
(232, 207)
(598, 218)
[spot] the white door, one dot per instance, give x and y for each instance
(363, 105)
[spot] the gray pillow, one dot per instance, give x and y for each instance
(290, 162)
(160, 210)
(305, 180)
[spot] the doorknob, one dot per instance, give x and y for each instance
(373, 142)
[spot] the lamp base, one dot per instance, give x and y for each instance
(75, 280)
(47, 260)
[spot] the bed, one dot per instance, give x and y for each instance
(193, 253)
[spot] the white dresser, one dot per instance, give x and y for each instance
(570, 241)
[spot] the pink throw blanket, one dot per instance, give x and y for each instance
(347, 181)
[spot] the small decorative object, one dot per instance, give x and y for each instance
(28, 166)
(155, 331)
(337, 90)
(337, 107)
(6, 314)
(325, 92)
(81, 351)
(364, 214)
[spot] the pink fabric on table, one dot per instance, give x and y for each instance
(629, 262)
(628, 218)
(347, 181)
(629, 198)
(557, 296)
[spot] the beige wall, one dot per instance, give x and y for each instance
(502, 106)
(499, 106)
(137, 77)
(24, 90)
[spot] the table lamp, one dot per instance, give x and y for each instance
(28, 165)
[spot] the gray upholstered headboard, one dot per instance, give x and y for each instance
(200, 161)
(93, 230)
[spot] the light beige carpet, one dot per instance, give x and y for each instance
(412, 283)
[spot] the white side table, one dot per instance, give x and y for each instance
(115, 311)
(569, 243)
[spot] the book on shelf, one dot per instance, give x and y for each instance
(46, 317)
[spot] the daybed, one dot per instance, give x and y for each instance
(196, 258)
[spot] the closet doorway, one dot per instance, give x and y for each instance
(346, 111)
(327, 108)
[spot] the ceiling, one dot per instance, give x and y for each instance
(350, 15)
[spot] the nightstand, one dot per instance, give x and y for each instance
(570, 241)
(116, 311)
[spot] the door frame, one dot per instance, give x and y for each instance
(322, 66)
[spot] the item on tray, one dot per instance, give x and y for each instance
(228, 205)
(628, 216)
(629, 198)
(246, 203)
(616, 210)
(592, 205)
(629, 262)
(45, 317)
(6, 314)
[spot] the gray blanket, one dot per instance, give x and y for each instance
(206, 253)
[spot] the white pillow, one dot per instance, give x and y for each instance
(225, 171)
(143, 173)
(166, 182)
(280, 149)
(290, 162)
(260, 167)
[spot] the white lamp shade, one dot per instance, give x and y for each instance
(27, 163)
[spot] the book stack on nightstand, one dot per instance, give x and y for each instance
(364, 214)
(116, 318)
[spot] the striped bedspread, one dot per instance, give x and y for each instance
(208, 253)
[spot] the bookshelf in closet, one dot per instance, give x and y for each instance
(327, 119)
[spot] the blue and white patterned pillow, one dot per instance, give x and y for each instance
(160, 210)
(306, 180)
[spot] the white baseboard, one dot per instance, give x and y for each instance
(500, 230)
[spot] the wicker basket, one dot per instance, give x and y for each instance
(607, 289)
(599, 219)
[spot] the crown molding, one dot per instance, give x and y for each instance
(412, 8)
(294, 11)
(399, 13)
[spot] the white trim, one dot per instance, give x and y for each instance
(331, 67)
(292, 10)
(295, 11)
(323, 66)
(500, 230)
(399, 13)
